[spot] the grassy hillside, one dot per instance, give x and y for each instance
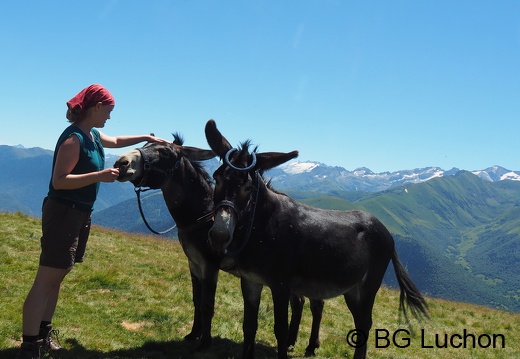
(132, 299)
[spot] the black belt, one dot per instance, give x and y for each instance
(69, 203)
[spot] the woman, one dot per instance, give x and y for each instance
(78, 169)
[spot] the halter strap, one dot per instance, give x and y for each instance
(253, 203)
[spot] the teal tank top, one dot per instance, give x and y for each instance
(91, 159)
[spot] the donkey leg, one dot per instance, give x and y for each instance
(251, 293)
(209, 287)
(196, 329)
(361, 309)
(297, 303)
(317, 312)
(361, 302)
(281, 295)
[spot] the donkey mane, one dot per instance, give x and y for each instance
(178, 139)
(199, 168)
(243, 148)
(269, 186)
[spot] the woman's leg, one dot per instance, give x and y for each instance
(52, 301)
(42, 298)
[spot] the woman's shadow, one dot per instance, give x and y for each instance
(220, 349)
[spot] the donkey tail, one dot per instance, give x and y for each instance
(410, 295)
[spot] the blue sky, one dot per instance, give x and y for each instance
(387, 85)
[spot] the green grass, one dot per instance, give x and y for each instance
(132, 299)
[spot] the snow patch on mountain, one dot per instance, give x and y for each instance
(497, 173)
(510, 176)
(297, 167)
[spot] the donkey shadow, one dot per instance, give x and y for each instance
(220, 349)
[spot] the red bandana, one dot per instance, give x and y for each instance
(90, 96)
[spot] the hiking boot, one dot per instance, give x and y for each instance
(28, 351)
(48, 339)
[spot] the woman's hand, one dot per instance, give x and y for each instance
(108, 175)
(124, 141)
(152, 138)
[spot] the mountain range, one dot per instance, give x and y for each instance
(456, 231)
(323, 178)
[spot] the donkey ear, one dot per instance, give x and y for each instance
(268, 160)
(197, 154)
(216, 141)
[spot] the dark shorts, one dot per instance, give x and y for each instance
(65, 231)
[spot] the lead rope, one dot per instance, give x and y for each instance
(138, 191)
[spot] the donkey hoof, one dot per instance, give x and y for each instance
(191, 337)
(309, 353)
